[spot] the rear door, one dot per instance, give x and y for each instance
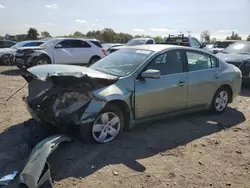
(203, 78)
(166, 94)
(82, 50)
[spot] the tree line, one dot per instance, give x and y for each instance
(110, 36)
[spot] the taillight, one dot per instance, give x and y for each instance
(104, 51)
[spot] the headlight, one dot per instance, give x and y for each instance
(247, 63)
(70, 102)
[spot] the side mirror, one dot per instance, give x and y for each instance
(58, 46)
(151, 73)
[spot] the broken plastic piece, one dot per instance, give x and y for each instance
(8, 178)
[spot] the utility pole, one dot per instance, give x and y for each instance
(189, 33)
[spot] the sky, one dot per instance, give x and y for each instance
(150, 17)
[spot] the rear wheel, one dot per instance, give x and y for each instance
(220, 100)
(106, 127)
(7, 59)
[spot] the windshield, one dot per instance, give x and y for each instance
(49, 43)
(106, 46)
(134, 42)
(223, 44)
(238, 48)
(122, 62)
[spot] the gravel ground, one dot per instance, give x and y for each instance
(197, 150)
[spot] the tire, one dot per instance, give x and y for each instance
(220, 100)
(43, 60)
(91, 132)
(93, 60)
(7, 59)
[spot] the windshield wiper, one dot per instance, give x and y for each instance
(224, 52)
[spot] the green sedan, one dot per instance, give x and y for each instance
(133, 85)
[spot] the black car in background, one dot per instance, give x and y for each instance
(6, 43)
(219, 46)
(183, 40)
(238, 54)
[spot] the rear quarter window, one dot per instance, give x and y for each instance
(96, 43)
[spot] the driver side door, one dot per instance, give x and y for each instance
(166, 94)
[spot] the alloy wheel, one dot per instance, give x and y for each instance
(42, 62)
(221, 101)
(106, 127)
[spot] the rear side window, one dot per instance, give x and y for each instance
(96, 43)
(200, 61)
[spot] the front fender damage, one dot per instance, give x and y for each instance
(37, 170)
(92, 110)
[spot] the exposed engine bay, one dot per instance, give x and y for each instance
(61, 98)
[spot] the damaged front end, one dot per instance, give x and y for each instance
(61, 97)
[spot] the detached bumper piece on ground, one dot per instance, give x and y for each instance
(36, 173)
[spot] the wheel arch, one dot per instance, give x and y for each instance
(229, 88)
(124, 107)
(45, 55)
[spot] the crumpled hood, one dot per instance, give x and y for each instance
(233, 57)
(8, 50)
(43, 71)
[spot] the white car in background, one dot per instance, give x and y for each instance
(133, 42)
(77, 51)
(7, 54)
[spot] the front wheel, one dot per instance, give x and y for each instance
(220, 100)
(106, 127)
(41, 61)
(93, 60)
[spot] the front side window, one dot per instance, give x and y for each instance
(170, 62)
(200, 61)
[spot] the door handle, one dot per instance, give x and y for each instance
(181, 84)
(216, 76)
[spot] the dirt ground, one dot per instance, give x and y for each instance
(197, 150)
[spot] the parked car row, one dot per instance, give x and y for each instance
(61, 51)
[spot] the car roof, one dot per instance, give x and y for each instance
(74, 38)
(158, 47)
